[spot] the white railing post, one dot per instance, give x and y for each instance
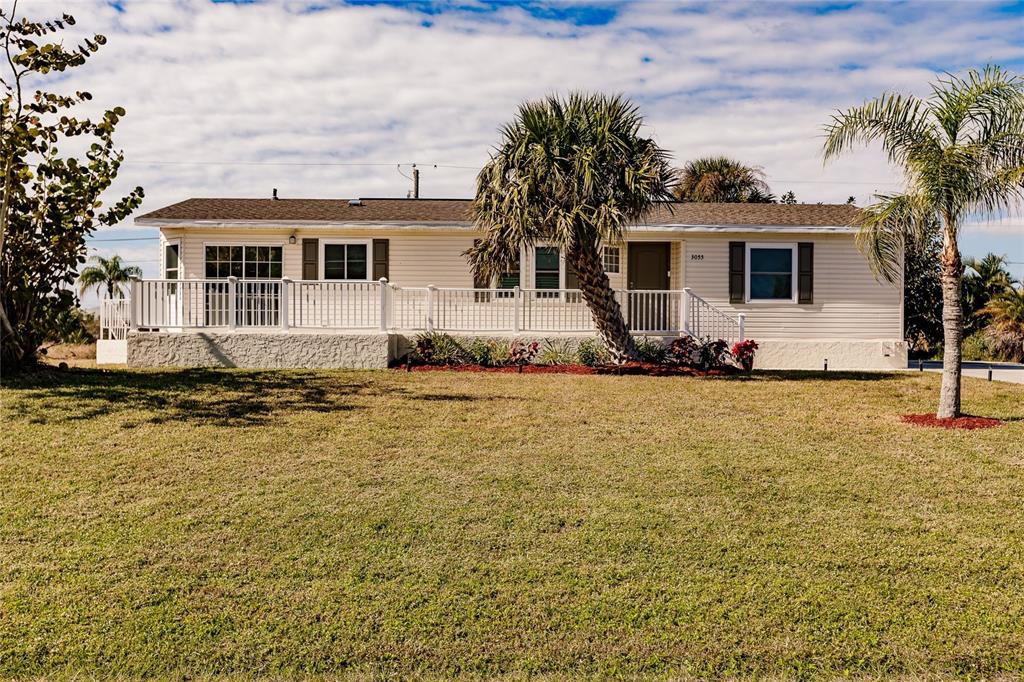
(283, 306)
(430, 307)
(742, 320)
(687, 302)
(135, 292)
(383, 282)
(232, 302)
(517, 305)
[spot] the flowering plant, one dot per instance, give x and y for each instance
(522, 354)
(743, 351)
(684, 351)
(713, 353)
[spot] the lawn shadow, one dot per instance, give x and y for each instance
(198, 396)
(220, 397)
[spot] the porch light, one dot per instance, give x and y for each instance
(291, 239)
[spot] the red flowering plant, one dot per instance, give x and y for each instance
(743, 352)
(684, 351)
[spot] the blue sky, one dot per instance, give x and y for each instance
(325, 99)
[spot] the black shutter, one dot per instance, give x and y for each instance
(380, 258)
(311, 259)
(737, 272)
(805, 272)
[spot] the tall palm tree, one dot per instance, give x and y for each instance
(961, 150)
(719, 179)
(109, 273)
(572, 173)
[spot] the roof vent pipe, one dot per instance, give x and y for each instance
(355, 202)
(275, 194)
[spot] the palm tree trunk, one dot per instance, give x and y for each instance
(952, 325)
(598, 294)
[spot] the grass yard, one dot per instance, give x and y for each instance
(385, 524)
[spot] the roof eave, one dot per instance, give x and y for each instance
(469, 226)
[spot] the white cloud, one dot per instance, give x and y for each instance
(209, 82)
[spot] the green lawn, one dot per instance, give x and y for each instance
(435, 524)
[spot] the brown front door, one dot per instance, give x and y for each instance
(648, 269)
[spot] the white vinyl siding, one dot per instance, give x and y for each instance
(848, 302)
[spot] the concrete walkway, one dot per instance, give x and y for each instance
(1001, 371)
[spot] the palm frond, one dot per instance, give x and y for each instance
(901, 123)
(566, 170)
(887, 226)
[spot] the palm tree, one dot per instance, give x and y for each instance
(719, 179)
(984, 279)
(107, 272)
(572, 173)
(961, 150)
(1005, 332)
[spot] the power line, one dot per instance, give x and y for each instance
(122, 239)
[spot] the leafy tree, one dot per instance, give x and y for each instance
(719, 179)
(922, 293)
(851, 201)
(962, 151)
(984, 279)
(572, 173)
(788, 198)
(50, 201)
(107, 273)
(1005, 332)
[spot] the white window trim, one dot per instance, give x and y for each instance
(243, 244)
(794, 281)
(604, 259)
(163, 258)
(533, 265)
(368, 243)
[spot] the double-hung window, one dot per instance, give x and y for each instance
(770, 272)
(345, 261)
(547, 271)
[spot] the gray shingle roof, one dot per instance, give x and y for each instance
(458, 211)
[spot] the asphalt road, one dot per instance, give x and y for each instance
(1001, 371)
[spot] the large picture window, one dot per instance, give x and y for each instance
(345, 260)
(243, 262)
(770, 271)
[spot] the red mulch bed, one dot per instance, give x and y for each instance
(630, 368)
(964, 422)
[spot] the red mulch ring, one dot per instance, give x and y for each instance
(964, 422)
(630, 368)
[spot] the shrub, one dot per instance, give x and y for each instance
(591, 353)
(743, 353)
(650, 350)
(435, 348)
(522, 353)
(975, 347)
(684, 351)
(483, 352)
(556, 353)
(713, 353)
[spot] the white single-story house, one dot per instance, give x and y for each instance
(329, 282)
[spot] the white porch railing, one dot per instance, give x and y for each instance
(114, 319)
(286, 304)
